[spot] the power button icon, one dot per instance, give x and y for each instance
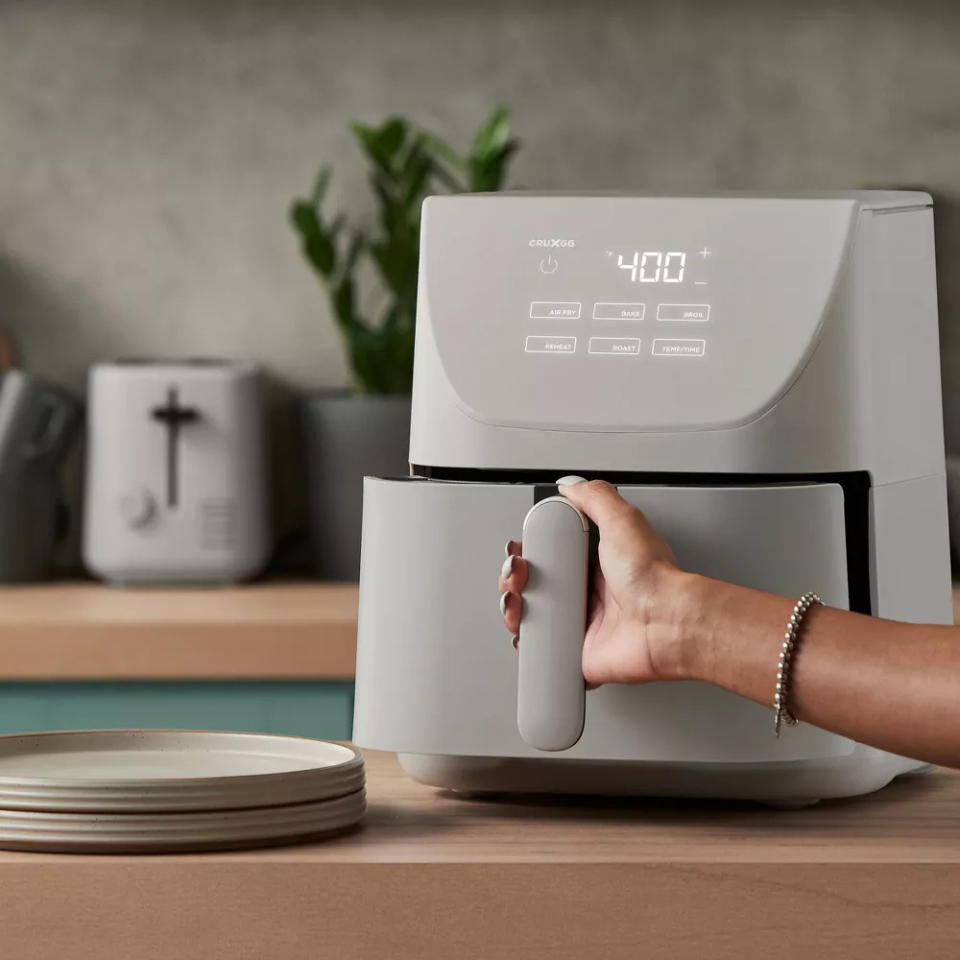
(549, 264)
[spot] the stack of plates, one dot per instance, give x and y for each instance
(155, 791)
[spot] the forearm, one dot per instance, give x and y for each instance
(891, 685)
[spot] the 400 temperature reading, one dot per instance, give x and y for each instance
(654, 266)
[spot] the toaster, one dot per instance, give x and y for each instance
(176, 485)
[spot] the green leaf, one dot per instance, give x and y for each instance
(392, 134)
(450, 181)
(320, 186)
(413, 181)
(343, 302)
(320, 252)
(441, 149)
(381, 143)
(442, 158)
(316, 243)
(492, 136)
(490, 173)
(304, 218)
(354, 248)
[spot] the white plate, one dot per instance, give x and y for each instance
(170, 770)
(177, 832)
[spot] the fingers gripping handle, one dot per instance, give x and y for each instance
(550, 691)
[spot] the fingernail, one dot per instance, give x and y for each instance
(503, 602)
(571, 480)
(507, 567)
(506, 549)
(516, 641)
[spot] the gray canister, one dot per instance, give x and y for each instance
(347, 437)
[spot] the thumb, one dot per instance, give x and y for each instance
(598, 499)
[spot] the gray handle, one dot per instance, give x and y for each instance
(550, 688)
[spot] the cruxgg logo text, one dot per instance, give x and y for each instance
(552, 242)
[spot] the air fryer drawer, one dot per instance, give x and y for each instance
(437, 674)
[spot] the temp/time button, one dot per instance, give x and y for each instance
(615, 346)
(679, 348)
(555, 310)
(559, 345)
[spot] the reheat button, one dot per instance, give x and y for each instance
(559, 345)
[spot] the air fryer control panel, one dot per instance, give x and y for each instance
(613, 313)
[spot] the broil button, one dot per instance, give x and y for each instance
(695, 312)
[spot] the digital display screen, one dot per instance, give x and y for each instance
(628, 302)
(654, 266)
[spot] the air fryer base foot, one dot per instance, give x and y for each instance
(786, 784)
(799, 803)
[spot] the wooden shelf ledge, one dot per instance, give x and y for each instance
(89, 631)
(264, 631)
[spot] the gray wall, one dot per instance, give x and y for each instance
(148, 151)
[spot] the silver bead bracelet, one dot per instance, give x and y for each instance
(782, 714)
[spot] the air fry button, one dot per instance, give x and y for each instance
(679, 348)
(551, 345)
(555, 310)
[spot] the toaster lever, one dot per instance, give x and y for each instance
(173, 417)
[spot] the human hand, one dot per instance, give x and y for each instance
(627, 638)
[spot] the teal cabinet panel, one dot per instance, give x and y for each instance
(301, 708)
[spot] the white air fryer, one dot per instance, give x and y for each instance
(176, 487)
(759, 374)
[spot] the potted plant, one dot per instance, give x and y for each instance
(348, 434)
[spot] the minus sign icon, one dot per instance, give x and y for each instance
(699, 283)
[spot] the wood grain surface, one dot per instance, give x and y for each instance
(90, 631)
(434, 875)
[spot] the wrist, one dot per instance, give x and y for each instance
(678, 626)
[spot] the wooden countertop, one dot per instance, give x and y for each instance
(434, 875)
(90, 631)
(268, 631)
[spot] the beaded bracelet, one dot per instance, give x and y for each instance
(782, 714)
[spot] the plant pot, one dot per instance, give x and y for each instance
(345, 438)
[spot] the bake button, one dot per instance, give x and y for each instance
(615, 346)
(618, 311)
(555, 310)
(697, 312)
(679, 348)
(551, 345)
